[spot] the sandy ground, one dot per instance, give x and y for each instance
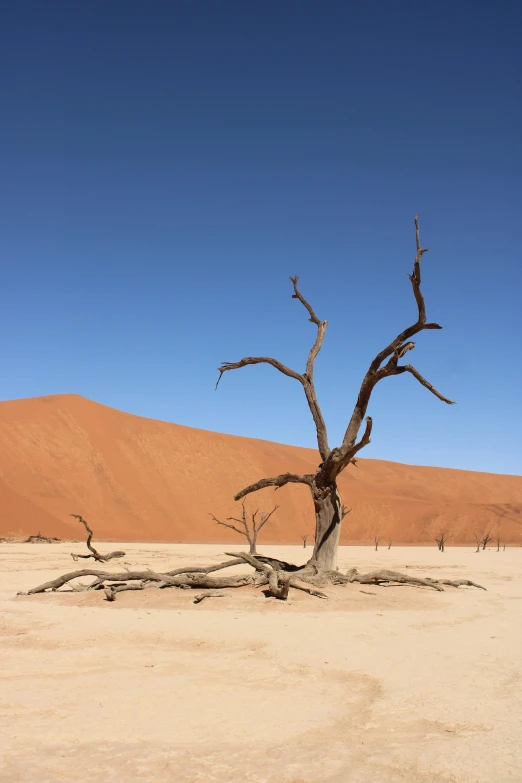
(394, 684)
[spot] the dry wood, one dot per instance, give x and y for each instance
(94, 554)
(278, 575)
(209, 594)
(39, 539)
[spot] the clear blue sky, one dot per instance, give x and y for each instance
(166, 165)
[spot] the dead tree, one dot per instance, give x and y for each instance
(39, 539)
(323, 483)
(441, 538)
(304, 540)
(250, 532)
(376, 541)
(482, 540)
(389, 545)
(93, 553)
(278, 576)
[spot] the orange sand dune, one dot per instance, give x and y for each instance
(137, 479)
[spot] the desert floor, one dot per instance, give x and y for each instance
(386, 685)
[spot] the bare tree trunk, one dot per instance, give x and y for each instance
(327, 529)
(252, 543)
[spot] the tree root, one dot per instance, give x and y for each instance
(277, 575)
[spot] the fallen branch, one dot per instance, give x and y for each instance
(94, 553)
(208, 594)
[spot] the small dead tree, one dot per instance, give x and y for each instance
(304, 540)
(93, 553)
(482, 540)
(389, 545)
(376, 541)
(441, 537)
(250, 531)
(39, 539)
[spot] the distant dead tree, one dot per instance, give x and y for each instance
(250, 531)
(498, 539)
(304, 540)
(376, 540)
(93, 553)
(482, 540)
(39, 539)
(441, 538)
(390, 545)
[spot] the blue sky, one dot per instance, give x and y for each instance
(166, 165)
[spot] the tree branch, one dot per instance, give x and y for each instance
(265, 518)
(420, 324)
(427, 385)
(276, 481)
(258, 360)
(306, 379)
(231, 527)
(395, 350)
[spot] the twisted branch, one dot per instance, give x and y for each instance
(277, 482)
(96, 555)
(278, 575)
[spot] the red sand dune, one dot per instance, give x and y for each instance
(137, 479)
